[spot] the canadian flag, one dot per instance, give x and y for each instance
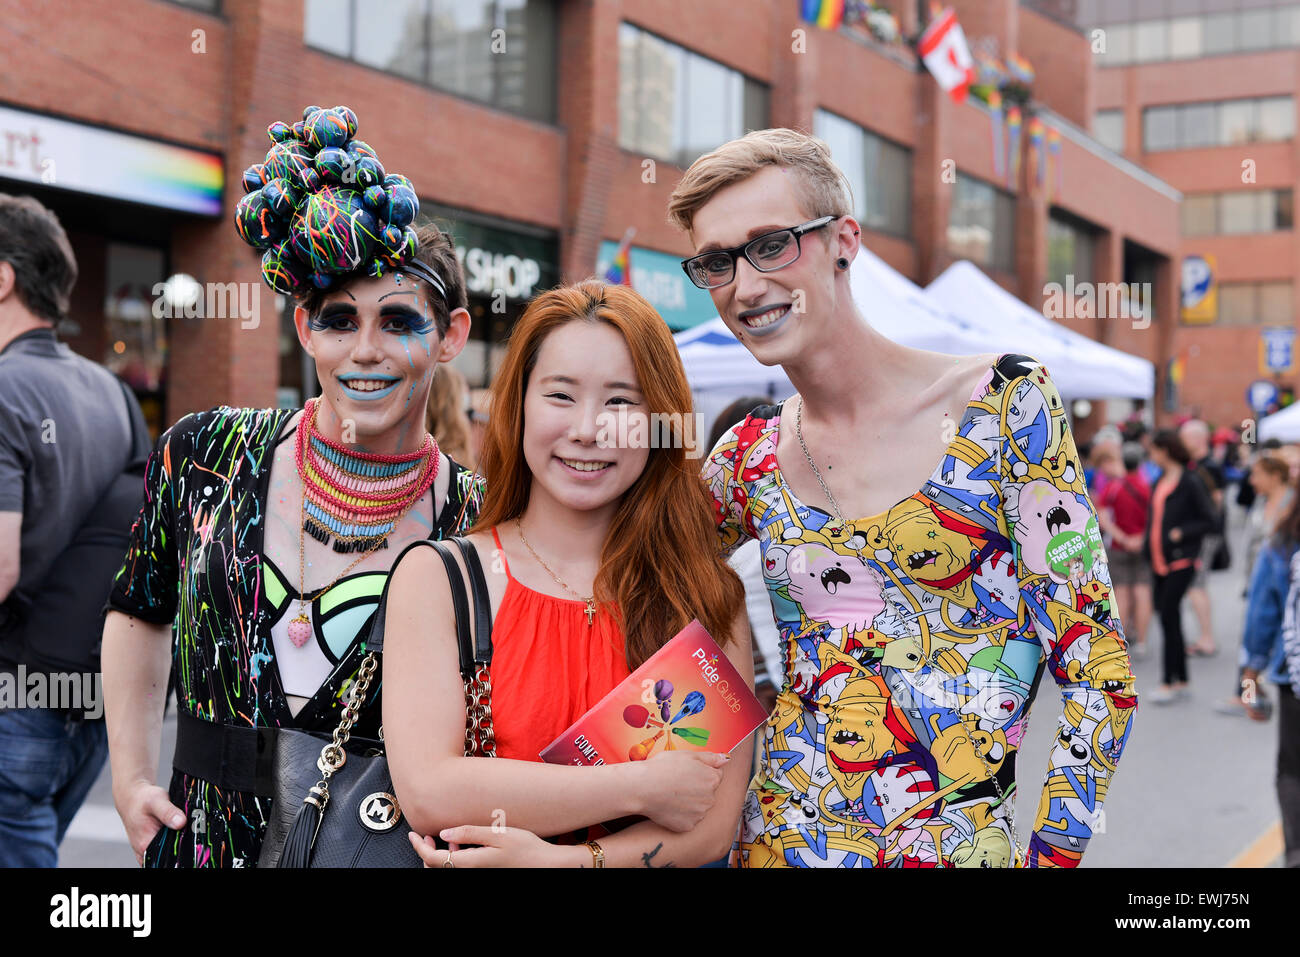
(944, 51)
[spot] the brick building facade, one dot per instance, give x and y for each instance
(566, 182)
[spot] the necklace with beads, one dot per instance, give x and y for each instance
(589, 599)
(358, 497)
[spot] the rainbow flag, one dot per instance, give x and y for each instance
(1177, 369)
(1013, 147)
(1037, 136)
(619, 272)
(999, 150)
(1054, 149)
(827, 14)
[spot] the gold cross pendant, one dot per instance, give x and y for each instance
(591, 610)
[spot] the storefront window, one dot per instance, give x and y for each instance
(505, 264)
(136, 331)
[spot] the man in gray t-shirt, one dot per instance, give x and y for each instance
(68, 429)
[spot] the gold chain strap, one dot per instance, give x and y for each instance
(480, 737)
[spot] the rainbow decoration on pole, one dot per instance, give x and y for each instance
(1037, 136)
(999, 151)
(1054, 150)
(619, 272)
(827, 14)
(1013, 146)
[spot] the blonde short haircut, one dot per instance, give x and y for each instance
(820, 185)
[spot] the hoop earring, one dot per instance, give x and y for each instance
(841, 264)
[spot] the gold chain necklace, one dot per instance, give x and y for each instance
(1017, 857)
(590, 599)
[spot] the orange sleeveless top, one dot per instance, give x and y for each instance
(549, 667)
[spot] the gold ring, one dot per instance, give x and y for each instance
(449, 862)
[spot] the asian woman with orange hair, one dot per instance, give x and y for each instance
(598, 549)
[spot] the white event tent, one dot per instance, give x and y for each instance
(1283, 425)
(962, 312)
(1081, 367)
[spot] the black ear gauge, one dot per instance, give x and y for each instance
(842, 263)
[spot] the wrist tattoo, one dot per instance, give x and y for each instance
(646, 859)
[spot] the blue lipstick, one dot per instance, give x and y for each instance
(360, 396)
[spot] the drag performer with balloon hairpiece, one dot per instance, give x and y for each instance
(267, 535)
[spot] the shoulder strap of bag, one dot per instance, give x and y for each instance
(460, 605)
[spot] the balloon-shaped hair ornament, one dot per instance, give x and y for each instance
(322, 208)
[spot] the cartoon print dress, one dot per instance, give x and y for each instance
(993, 573)
(196, 561)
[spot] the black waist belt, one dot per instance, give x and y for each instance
(234, 757)
(224, 755)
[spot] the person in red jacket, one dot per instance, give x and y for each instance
(1123, 509)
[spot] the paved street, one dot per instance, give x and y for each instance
(1194, 789)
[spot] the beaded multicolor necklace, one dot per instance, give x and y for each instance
(357, 498)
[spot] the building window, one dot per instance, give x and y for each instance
(1276, 119)
(1185, 38)
(1238, 212)
(499, 52)
(1108, 128)
(981, 224)
(677, 105)
(1222, 123)
(1070, 247)
(879, 173)
(1200, 215)
(1187, 35)
(1255, 304)
(1119, 45)
(1160, 128)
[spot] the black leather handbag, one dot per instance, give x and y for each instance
(350, 816)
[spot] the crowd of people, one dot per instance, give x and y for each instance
(908, 538)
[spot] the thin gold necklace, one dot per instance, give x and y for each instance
(590, 599)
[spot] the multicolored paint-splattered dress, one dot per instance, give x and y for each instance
(196, 560)
(965, 593)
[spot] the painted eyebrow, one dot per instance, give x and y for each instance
(567, 380)
(752, 234)
(397, 292)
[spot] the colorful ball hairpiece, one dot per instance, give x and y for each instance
(322, 207)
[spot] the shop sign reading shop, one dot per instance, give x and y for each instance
(486, 272)
(500, 259)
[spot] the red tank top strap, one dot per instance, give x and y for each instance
(502, 552)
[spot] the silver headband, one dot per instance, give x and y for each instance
(421, 269)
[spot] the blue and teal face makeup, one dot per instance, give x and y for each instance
(376, 344)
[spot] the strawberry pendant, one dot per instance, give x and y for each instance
(299, 630)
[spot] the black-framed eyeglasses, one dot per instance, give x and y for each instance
(766, 253)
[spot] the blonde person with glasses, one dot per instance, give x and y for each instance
(928, 544)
